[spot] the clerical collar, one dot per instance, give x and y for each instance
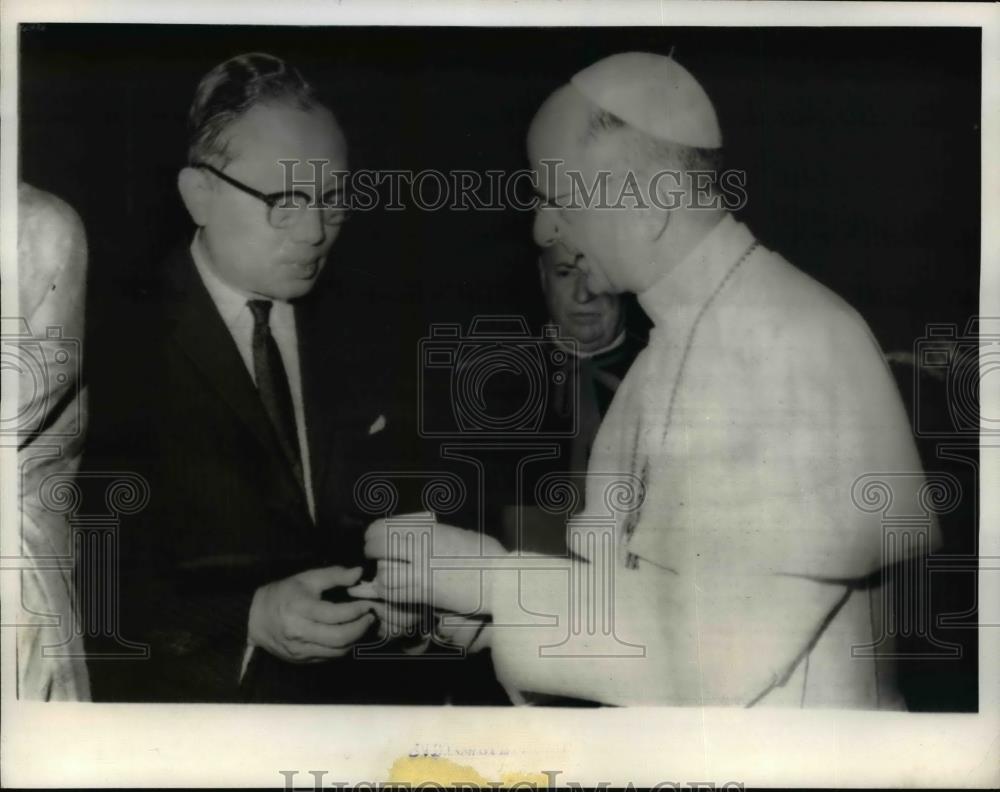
(573, 350)
(686, 287)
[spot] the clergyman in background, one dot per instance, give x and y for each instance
(600, 345)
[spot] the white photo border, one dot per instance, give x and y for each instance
(98, 745)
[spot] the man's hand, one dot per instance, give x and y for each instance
(290, 620)
(446, 541)
(404, 568)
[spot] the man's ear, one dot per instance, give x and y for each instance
(667, 194)
(655, 222)
(196, 192)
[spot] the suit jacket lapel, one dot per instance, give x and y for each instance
(199, 331)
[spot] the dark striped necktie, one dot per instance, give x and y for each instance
(272, 383)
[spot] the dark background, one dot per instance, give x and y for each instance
(861, 148)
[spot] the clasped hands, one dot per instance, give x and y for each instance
(289, 618)
(458, 582)
(405, 575)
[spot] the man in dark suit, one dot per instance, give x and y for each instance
(251, 423)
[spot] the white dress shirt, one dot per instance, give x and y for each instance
(232, 305)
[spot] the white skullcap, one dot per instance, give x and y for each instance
(654, 94)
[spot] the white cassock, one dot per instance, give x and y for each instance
(759, 403)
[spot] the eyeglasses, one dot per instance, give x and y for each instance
(285, 209)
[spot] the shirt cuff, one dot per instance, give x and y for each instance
(247, 654)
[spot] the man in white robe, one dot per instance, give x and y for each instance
(744, 572)
(52, 268)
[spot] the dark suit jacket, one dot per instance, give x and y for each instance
(226, 513)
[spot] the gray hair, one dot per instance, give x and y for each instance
(232, 88)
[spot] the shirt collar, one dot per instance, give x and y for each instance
(692, 281)
(230, 301)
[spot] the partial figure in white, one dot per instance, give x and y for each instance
(52, 413)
